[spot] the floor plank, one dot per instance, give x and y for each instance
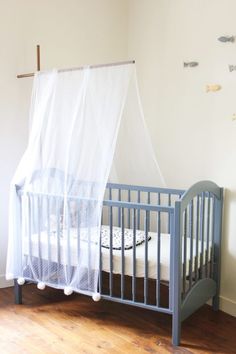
(50, 323)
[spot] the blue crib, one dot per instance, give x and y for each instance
(181, 248)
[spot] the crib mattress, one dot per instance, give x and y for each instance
(54, 249)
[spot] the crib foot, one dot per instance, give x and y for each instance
(175, 339)
(17, 292)
(216, 303)
(176, 330)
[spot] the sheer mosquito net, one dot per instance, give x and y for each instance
(87, 127)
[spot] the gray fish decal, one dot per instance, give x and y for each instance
(225, 39)
(232, 68)
(190, 64)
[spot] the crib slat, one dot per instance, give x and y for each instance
(122, 253)
(185, 251)
(139, 198)
(29, 226)
(111, 252)
(89, 227)
(39, 202)
(191, 244)
(129, 199)
(149, 197)
(212, 238)
(102, 216)
(197, 240)
(171, 270)
(134, 257)
(68, 258)
(149, 202)
(202, 220)
(100, 258)
(169, 204)
(48, 235)
(208, 233)
(158, 280)
(78, 233)
(119, 210)
(146, 257)
(58, 205)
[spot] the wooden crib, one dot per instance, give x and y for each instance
(180, 248)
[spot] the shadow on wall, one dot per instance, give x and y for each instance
(228, 242)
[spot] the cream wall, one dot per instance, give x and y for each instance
(70, 33)
(192, 131)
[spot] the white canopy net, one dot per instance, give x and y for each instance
(81, 122)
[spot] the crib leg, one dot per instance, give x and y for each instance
(216, 298)
(216, 302)
(17, 293)
(217, 249)
(176, 328)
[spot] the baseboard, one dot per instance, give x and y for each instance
(5, 283)
(228, 306)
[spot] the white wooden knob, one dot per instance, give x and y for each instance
(21, 281)
(41, 285)
(96, 297)
(68, 291)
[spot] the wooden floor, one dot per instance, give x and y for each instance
(49, 322)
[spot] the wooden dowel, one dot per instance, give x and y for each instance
(21, 76)
(83, 67)
(38, 57)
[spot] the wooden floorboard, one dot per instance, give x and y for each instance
(49, 322)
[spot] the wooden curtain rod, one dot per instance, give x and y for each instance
(74, 69)
(95, 66)
(38, 65)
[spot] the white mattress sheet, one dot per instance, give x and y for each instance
(116, 254)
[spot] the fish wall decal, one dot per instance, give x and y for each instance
(232, 68)
(191, 64)
(225, 39)
(234, 117)
(213, 88)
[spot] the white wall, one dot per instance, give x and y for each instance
(71, 33)
(192, 131)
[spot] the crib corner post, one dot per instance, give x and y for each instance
(17, 293)
(176, 286)
(218, 209)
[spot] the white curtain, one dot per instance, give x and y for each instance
(58, 188)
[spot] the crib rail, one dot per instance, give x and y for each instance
(127, 187)
(143, 195)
